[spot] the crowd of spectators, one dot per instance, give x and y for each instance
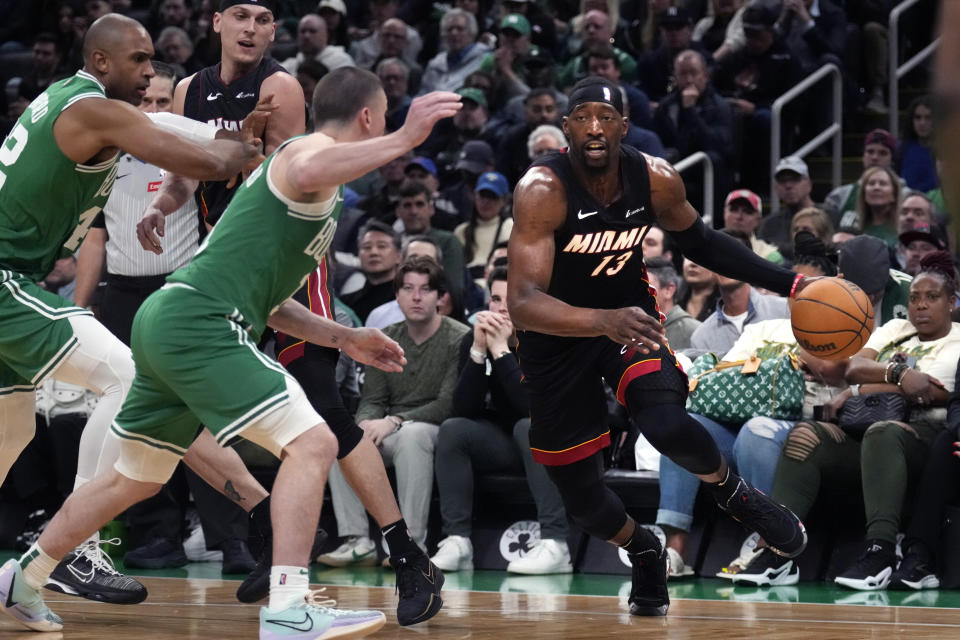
(421, 245)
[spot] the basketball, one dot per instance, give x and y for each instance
(832, 318)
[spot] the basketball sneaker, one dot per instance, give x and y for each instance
(316, 619)
(356, 551)
(547, 556)
(256, 586)
(648, 592)
(88, 572)
(916, 570)
(418, 584)
(454, 553)
(873, 568)
(767, 569)
(23, 603)
(778, 526)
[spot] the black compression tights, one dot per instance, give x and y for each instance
(591, 505)
(672, 431)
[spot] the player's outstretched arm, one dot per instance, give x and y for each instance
(318, 166)
(89, 126)
(706, 246)
(363, 344)
(539, 209)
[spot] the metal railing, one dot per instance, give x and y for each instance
(897, 70)
(691, 161)
(834, 131)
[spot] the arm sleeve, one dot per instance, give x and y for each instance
(721, 253)
(193, 130)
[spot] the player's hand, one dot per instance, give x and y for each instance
(150, 230)
(633, 327)
(425, 112)
(370, 346)
(254, 125)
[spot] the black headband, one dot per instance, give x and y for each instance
(266, 4)
(596, 93)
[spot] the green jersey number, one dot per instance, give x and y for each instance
(8, 154)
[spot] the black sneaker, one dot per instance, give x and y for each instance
(158, 554)
(873, 568)
(88, 572)
(778, 526)
(916, 571)
(256, 586)
(767, 569)
(236, 557)
(648, 593)
(418, 583)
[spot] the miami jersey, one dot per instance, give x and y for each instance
(262, 249)
(48, 201)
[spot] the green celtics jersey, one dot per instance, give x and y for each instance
(47, 201)
(262, 249)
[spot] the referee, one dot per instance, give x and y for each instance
(132, 274)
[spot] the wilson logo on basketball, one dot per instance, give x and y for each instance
(814, 348)
(518, 539)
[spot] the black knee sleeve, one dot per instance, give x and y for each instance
(590, 504)
(316, 371)
(672, 431)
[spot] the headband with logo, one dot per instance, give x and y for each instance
(598, 92)
(266, 4)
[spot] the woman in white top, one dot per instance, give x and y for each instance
(913, 359)
(489, 224)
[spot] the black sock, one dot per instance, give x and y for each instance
(723, 490)
(399, 540)
(260, 519)
(642, 540)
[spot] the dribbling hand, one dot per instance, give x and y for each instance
(371, 346)
(426, 111)
(634, 328)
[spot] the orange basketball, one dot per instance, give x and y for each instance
(832, 318)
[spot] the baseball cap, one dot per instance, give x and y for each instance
(538, 57)
(745, 194)
(336, 5)
(759, 16)
(424, 163)
(865, 261)
(675, 17)
(792, 163)
(492, 181)
(475, 157)
(923, 231)
(516, 22)
(474, 95)
(881, 136)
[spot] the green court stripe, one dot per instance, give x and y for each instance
(61, 355)
(257, 412)
(156, 444)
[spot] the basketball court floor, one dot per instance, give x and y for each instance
(196, 603)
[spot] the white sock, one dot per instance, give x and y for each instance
(37, 566)
(288, 586)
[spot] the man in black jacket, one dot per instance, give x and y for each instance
(491, 433)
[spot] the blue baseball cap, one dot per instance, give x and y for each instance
(492, 181)
(424, 163)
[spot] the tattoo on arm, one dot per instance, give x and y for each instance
(230, 491)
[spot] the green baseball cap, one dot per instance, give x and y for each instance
(473, 94)
(517, 22)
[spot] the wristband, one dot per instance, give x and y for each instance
(796, 281)
(854, 389)
(477, 356)
(886, 372)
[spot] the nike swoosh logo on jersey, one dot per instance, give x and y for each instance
(581, 215)
(214, 96)
(303, 625)
(242, 95)
(634, 211)
(123, 176)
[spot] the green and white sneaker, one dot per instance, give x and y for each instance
(23, 603)
(316, 619)
(357, 551)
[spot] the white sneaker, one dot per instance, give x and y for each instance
(454, 553)
(676, 567)
(358, 551)
(748, 551)
(195, 546)
(546, 556)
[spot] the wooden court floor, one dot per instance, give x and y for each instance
(180, 608)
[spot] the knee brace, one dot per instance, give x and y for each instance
(589, 502)
(672, 431)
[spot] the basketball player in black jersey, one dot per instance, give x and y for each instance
(578, 290)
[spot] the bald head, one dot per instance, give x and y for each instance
(109, 34)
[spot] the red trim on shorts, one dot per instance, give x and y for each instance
(633, 372)
(573, 454)
(291, 353)
(318, 291)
